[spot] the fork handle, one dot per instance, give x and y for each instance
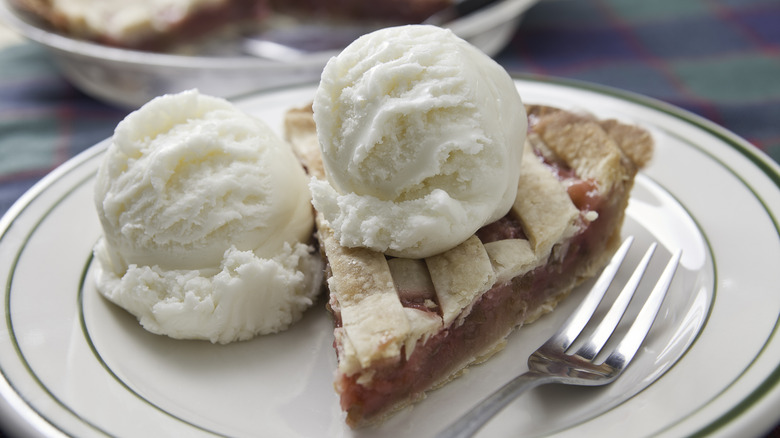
(480, 414)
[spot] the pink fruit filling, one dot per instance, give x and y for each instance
(493, 316)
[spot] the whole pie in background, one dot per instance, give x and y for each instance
(166, 24)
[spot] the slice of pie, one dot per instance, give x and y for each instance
(406, 326)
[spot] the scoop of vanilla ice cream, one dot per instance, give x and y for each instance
(421, 135)
(206, 216)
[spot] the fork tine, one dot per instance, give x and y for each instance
(635, 336)
(577, 321)
(603, 331)
(550, 363)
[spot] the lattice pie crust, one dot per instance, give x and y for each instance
(393, 315)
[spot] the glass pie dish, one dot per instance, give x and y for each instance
(129, 78)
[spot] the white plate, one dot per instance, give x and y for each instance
(76, 365)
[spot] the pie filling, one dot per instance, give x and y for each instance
(406, 326)
(491, 318)
(402, 11)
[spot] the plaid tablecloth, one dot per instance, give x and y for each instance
(43, 120)
(717, 58)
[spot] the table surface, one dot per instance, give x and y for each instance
(716, 58)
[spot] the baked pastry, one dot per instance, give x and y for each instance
(163, 24)
(145, 24)
(406, 326)
(399, 11)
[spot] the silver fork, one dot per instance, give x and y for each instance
(552, 363)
